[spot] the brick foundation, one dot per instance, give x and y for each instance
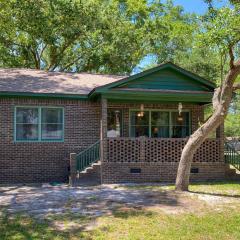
(159, 172)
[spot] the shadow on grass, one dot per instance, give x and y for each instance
(126, 213)
(216, 183)
(22, 226)
(216, 194)
(218, 188)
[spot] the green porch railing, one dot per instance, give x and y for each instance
(89, 156)
(231, 156)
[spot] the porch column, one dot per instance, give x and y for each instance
(220, 137)
(104, 129)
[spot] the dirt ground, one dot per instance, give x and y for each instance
(43, 200)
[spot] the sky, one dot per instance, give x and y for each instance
(198, 6)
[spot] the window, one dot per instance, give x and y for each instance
(180, 125)
(139, 124)
(51, 124)
(27, 123)
(114, 123)
(159, 124)
(38, 124)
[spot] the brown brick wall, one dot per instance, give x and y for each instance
(46, 161)
(49, 161)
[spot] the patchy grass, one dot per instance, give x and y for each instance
(149, 225)
(129, 223)
(159, 187)
(23, 227)
(230, 188)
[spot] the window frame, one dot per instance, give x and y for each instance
(150, 120)
(39, 108)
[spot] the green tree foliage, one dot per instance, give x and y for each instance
(109, 36)
(77, 35)
(232, 121)
(232, 128)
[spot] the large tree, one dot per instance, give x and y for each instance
(221, 31)
(109, 36)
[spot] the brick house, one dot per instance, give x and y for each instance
(136, 126)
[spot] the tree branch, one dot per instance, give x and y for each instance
(36, 59)
(231, 54)
(70, 64)
(216, 96)
(41, 53)
(65, 46)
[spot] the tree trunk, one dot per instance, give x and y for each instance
(194, 142)
(221, 101)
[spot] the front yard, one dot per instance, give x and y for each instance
(208, 211)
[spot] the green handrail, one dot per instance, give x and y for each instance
(232, 156)
(89, 156)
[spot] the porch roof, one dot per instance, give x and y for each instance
(166, 82)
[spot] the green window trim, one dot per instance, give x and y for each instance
(39, 123)
(170, 125)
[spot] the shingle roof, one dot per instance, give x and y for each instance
(38, 81)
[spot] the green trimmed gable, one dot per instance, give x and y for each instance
(165, 83)
(165, 79)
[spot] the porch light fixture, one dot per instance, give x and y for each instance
(141, 113)
(180, 107)
(180, 118)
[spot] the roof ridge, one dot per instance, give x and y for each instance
(45, 71)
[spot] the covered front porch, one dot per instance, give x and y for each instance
(160, 129)
(146, 120)
(143, 142)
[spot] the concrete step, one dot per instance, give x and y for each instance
(90, 176)
(97, 164)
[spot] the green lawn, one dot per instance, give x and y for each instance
(136, 224)
(150, 225)
(230, 188)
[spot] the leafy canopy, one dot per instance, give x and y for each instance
(109, 36)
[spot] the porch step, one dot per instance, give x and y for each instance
(90, 176)
(94, 167)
